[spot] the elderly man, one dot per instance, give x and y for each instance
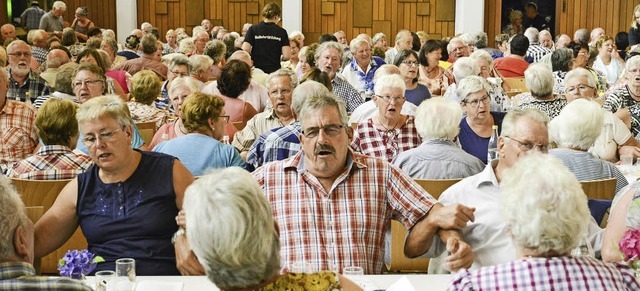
(38, 40)
(8, 31)
(312, 197)
(206, 25)
(535, 51)
(562, 41)
(595, 35)
(342, 38)
(52, 21)
(16, 251)
(546, 40)
(25, 85)
(457, 48)
(281, 143)
(360, 70)
(200, 39)
(514, 65)
(281, 84)
(147, 61)
(404, 41)
(55, 59)
(523, 131)
(30, 18)
(581, 36)
(328, 59)
(257, 74)
(18, 137)
(245, 28)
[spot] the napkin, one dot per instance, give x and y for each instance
(402, 284)
(149, 285)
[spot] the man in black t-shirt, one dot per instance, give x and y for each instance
(266, 41)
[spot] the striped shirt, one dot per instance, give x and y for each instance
(554, 273)
(586, 167)
(536, 52)
(346, 226)
(51, 162)
(16, 276)
(275, 145)
(619, 99)
(385, 144)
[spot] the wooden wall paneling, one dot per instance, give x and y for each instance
(363, 13)
(349, 16)
(195, 12)
(328, 8)
(445, 10)
(384, 26)
(101, 12)
(162, 8)
(584, 17)
(253, 8)
(423, 9)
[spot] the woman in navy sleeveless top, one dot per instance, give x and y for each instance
(126, 203)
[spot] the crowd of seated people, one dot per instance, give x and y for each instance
(331, 136)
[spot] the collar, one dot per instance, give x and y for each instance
(438, 141)
(10, 270)
(487, 176)
(53, 149)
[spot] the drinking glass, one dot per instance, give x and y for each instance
(626, 160)
(353, 271)
(104, 280)
(584, 249)
(126, 274)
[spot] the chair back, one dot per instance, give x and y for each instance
(517, 84)
(147, 131)
(399, 262)
(43, 193)
(600, 194)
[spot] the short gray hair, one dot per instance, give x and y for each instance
(633, 62)
(102, 106)
(581, 72)
(356, 42)
(307, 90)
(200, 63)
(470, 85)
(12, 215)
(180, 60)
(578, 125)
(327, 45)
(512, 117)
(148, 44)
(244, 250)
(392, 81)
(321, 102)
(215, 49)
(464, 67)
(386, 69)
(188, 82)
(283, 73)
(539, 79)
(561, 58)
(482, 55)
(59, 5)
(557, 212)
(532, 34)
(378, 36)
(438, 119)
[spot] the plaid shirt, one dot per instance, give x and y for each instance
(371, 141)
(32, 87)
(15, 276)
(51, 162)
(32, 17)
(257, 125)
(18, 137)
(275, 145)
(39, 53)
(345, 227)
(555, 273)
(346, 92)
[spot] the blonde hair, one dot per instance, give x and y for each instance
(198, 108)
(145, 86)
(104, 106)
(56, 122)
(634, 23)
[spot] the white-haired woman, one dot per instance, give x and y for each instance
(539, 80)
(360, 70)
(462, 68)
(438, 157)
(628, 95)
(561, 64)
(575, 130)
(477, 126)
(243, 254)
(499, 97)
(557, 206)
(391, 132)
(615, 138)
(380, 40)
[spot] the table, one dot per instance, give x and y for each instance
(372, 282)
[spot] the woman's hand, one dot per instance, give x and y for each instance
(186, 260)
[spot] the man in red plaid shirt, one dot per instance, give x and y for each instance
(333, 206)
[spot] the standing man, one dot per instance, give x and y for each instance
(24, 84)
(30, 18)
(534, 19)
(267, 42)
(404, 41)
(52, 21)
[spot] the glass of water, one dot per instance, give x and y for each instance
(104, 280)
(126, 274)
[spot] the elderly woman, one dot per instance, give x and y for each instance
(575, 130)
(216, 50)
(629, 94)
(556, 203)
(70, 41)
(391, 132)
(625, 215)
(407, 62)
(110, 46)
(201, 67)
(234, 81)
(614, 136)
(462, 68)
(122, 210)
(179, 89)
(515, 23)
(145, 87)
(539, 80)
(437, 121)
(380, 40)
(307, 59)
(360, 70)
(170, 46)
(131, 45)
(57, 128)
(430, 70)
(477, 126)
(233, 195)
(608, 61)
(204, 118)
(499, 98)
(63, 88)
(561, 64)
(93, 56)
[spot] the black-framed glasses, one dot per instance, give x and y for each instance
(390, 99)
(105, 136)
(329, 129)
(225, 117)
(527, 145)
(485, 100)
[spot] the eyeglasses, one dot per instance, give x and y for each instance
(410, 63)
(225, 117)
(329, 129)
(88, 83)
(281, 91)
(179, 74)
(21, 54)
(527, 146)
(105, 136)
(580, 88)
(485, 100)
(390, 99)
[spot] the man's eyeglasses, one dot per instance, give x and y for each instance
(88, 83)
(527, 146)
(105, 136)
(390, 99)
(225, 117)
(575, 89)
(179, 74)
(21, 54)
(329, 129)
(476, 102)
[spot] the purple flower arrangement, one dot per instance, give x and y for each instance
(76, 264)
(630, 248)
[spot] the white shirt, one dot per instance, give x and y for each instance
(610, 72)
(369, 109)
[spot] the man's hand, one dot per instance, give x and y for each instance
(186, 260)
(461, 255)
(453, 216)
